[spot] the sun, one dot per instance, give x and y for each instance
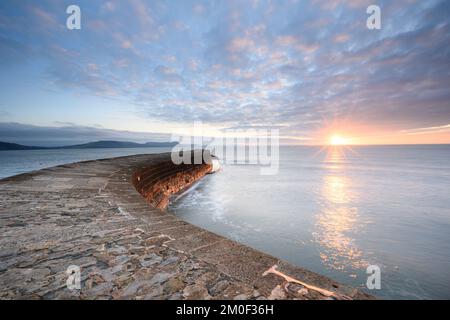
(337, 140)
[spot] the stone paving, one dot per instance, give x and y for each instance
(90, 215)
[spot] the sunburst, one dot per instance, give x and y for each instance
(338, 140)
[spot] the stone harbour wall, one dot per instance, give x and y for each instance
(103, 217)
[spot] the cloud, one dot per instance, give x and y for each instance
(241, 64)
(444, 128)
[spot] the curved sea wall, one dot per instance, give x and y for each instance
(156, 183)
(103, 218)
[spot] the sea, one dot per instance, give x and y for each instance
(15, 162)
(339, 210)
(342, 212)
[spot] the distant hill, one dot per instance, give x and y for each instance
(91, 145)
(15, 146)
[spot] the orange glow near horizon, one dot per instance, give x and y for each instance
(345, 132)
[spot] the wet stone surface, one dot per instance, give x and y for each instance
(90, 215)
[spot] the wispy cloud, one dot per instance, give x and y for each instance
(445, 128)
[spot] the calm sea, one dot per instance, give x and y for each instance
(337, 211)
(332, 211)
(20, 161)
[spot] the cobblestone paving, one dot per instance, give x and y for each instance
(89, 215)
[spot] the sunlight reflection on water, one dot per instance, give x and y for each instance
(338, 218)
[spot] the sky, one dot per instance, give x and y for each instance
(143, 70)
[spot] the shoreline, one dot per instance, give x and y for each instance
(101, 216)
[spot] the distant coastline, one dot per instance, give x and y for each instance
(4, 146)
